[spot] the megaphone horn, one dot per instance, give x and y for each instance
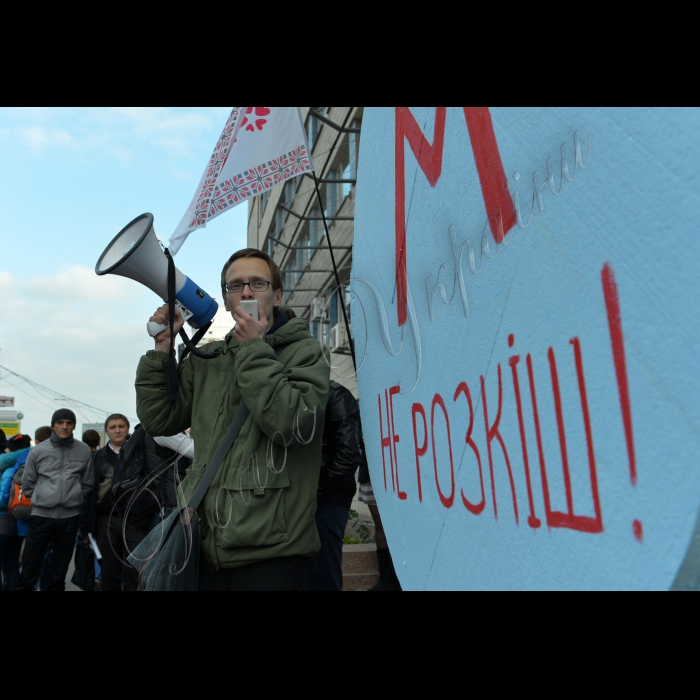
(136, 253)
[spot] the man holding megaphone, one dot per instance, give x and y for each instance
(262, 302)
(256, 519)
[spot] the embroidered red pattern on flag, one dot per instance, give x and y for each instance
(259, 179)
(216, 163)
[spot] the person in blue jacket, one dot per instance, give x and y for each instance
(12, 531)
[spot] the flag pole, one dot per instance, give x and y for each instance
(335, 270)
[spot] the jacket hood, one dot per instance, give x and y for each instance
(294, 330)
(22, 455)
(10, 459)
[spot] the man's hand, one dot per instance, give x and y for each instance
(247, 327)
(161, 316)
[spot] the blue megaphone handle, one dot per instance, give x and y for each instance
(202, 307)
(196, 300)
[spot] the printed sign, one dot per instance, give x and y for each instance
(7, 401)
(99, 427)
(524, 286)
(10, 428)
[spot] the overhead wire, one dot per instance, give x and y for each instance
(24, 391)
(49, 393)
(43, 403)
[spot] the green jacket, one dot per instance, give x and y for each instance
(262, 502)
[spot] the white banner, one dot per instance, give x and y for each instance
(259, 148)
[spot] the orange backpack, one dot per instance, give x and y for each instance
(19, 505)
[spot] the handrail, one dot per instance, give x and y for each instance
(333, 125)
(315, 218)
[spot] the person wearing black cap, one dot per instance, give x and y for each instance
(3, 441)
(57, 476)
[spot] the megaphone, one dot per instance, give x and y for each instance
(136, 253)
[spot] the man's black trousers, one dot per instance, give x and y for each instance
(42, 532)
(331, 520)
(116, 540)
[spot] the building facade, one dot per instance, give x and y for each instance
(287, 223)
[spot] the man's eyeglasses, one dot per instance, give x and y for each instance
(254, 286)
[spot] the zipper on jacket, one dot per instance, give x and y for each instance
(60, 474)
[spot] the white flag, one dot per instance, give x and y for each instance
(259, 148)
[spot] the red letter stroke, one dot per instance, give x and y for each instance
(479, 507)
(494, 432)
(532, 520)
(499, 205)
(430, 160)
(557, 518)
(394, 439)
(386, 441)
(612, 305)
(447, 501)
(420, 451)
(429, 156)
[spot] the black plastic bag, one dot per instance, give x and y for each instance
(84, 574)
(168, 558)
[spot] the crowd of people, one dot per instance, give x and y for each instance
(275, 514)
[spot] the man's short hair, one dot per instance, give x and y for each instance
(117, 416)
(91, 438)
(41, 434)
(254, 253)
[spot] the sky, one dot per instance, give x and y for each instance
(70, 180)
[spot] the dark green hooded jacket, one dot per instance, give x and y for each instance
(262, 502)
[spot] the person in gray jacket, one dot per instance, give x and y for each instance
(57, 476)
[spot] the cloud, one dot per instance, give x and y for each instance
(116, 130)
(79, 285)
(39, 138)
(80, 334)
(163, 119)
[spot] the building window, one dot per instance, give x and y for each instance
(300, 259)
(289, 280)
(348, 305)
(350, 172)
(289, 192)
(312, 131)
(332, 203)
(270, 247)
(319, 330)
(280, 217)
(333, 310)
(304, 254)
(315, 230)
(263, 199)
(354, 148)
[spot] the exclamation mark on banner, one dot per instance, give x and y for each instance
(612, 304)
